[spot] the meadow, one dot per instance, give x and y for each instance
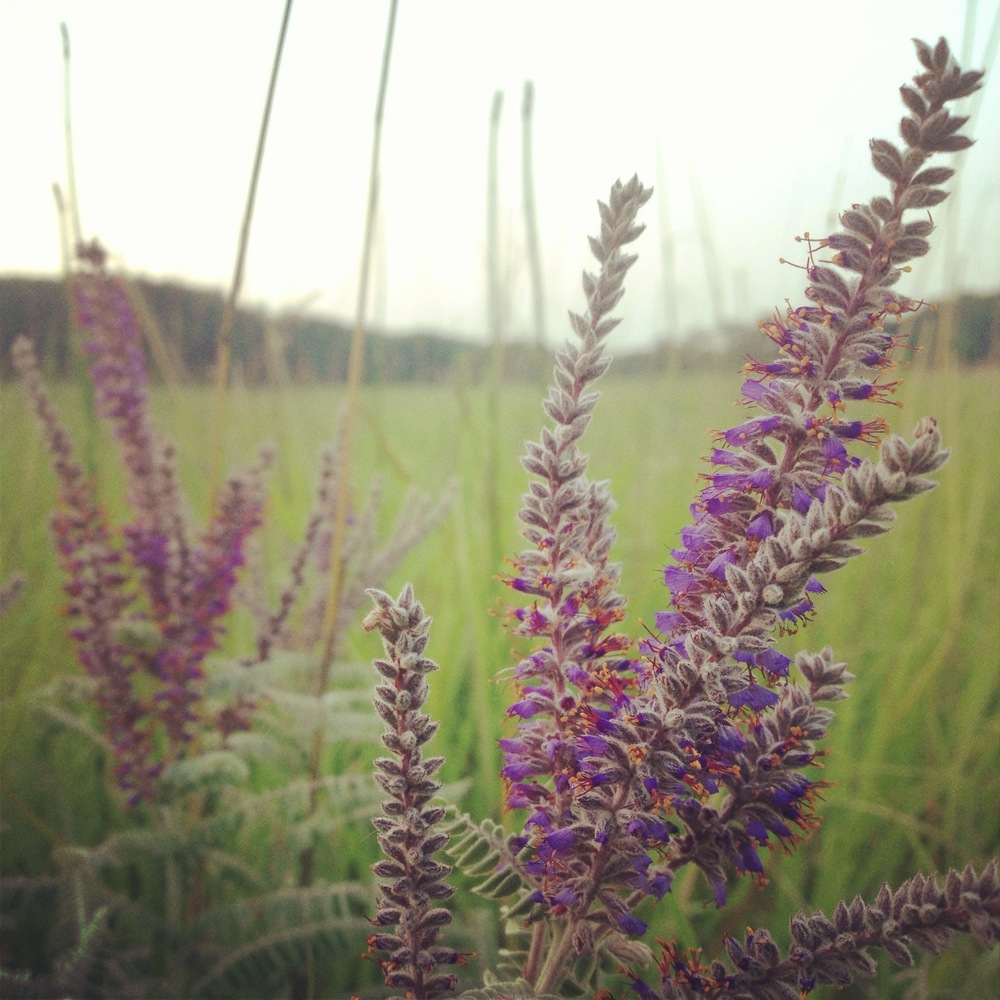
(913, 753)
(196, 801)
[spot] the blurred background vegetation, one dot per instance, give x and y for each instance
(183, 324)
(914, 752)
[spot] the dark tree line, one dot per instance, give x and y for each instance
(181, 323)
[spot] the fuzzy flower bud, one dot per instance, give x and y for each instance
(406, 830)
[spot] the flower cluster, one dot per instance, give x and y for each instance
(98, 598)
(696, 745)
(780, 466)
(787, 501)
(406, 829)
(579, 849)
(920, 913)
(616, 756)
(148, 608)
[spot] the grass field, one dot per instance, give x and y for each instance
(914, 752)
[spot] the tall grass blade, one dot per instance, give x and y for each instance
(531, 218)
(224, 338)
(73, 205)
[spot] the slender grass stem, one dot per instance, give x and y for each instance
(330, 631)
(496, 324)
(74, 206)
(224, 338)
(668, 271)
(71, 236)
(531, 217)
(709, 254)
(302, 986)
(355, 363)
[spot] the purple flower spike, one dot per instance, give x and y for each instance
(692, 746)
(149, 608)
(413, 881)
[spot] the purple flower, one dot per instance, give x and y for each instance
(631, 925)
(560, 842)
(565, 897)
(413, 880)
(163, 595)
(774, 662)
(741, 434)
(694, 753)
(525, 708)
(754, 696)
(677, 580)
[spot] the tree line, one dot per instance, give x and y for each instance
(181, 323)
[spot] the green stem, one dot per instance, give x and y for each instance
(496, 320)
(559, 953)
(330, 632)
(224, 339)
(531, 221)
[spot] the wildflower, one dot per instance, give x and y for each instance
(158, 582)
(766, 526)
(406, 829)
(922, 913)
(100, 600)
(699, 747)
(578, 677)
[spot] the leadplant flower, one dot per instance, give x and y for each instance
(922, 913)
(99, 601)
(406, 829)
(188, 581)
(697, 745)
(149, 606)
(788, 501)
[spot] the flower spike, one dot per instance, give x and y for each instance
(406, 829)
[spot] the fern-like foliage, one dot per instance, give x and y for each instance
(517, 989)
(260, 941)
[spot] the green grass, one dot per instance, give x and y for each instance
(914, 752)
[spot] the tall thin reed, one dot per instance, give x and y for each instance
(224, 338)
(70, 242)
(495, 317)
(709, 254)
(668, 269)
(168, 362)
(356, 361)
(345, 443)
(531, 216)
(73, 206)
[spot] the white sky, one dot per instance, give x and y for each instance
(768, 105)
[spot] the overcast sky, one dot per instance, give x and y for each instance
(758, 112)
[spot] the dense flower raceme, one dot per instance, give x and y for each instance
(786, 499)
(578, 674)
(406, 829)
(148, 609)
(98, 594)
(921, 913)
(619, 758)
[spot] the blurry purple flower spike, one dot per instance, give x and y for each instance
(150, 607)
